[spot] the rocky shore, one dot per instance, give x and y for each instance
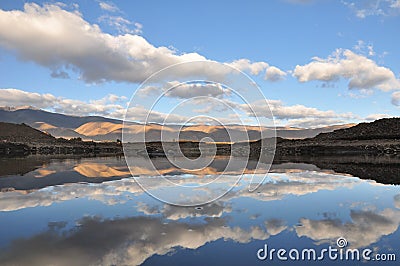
(22, 140)
(381, 137)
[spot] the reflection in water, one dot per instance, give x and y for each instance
(364, 229)
(38, 172)
(397, 201)
(99, 170)
(127, 241)
(111, 221)
(276, 187)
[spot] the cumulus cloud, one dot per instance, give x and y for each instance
(107, 106)
(362, 72)
(14, 97)
(110, 105)
(59, 39)
(300, 111)
(56, 38)
(59, 74)
(186, 90)
(272, 73)
(297, 115)
(314, 122)
(396, 98)
(373, 117)
(245, 65)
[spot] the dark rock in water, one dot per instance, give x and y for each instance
(384, 169)
(14, 149)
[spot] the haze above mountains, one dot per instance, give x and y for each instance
(99, 128)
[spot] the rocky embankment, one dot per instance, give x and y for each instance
(383, 169)
(22, 140)
(381, 137)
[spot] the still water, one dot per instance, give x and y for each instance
(90, 211)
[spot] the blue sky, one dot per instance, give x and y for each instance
(356, 77)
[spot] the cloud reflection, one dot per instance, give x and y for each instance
(128, 241)
(364, 229)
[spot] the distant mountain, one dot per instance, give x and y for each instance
(106, 129)
(31, 116)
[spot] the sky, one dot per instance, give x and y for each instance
(316, 62)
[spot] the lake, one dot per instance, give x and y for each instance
(90, 211)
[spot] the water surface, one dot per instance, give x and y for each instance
(90, 211)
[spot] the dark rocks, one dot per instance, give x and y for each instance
(13, 149)
(22, 140)
(386, 128)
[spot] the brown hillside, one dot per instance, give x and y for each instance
(386, 128)
(22, 133)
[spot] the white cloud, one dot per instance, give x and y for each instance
(275, 226)
(61, 40)
(362, 72)
(365, 228)
(121, 24)
(395, 4)
(297, 115)
(373, 117)
(246, 65)
(274, 74)
(215, 209)
(105, 106)
(186, 90)
(396, 98)
(141, 114)
(56, 38)
(313, 122)
(125, 241)
(255, 68)
(108, 6)
(115, 106)
(364, 48)
(14, 97)
(397, 201)
(365, 8)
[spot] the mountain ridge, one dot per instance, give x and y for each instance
(98, 128)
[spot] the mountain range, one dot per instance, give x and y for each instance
(100, 128)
